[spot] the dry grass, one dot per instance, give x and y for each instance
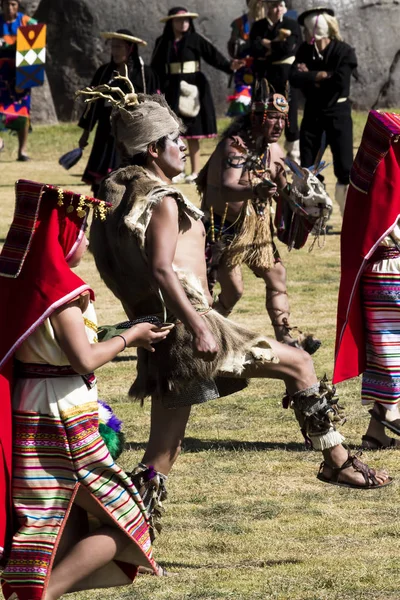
(246, 517)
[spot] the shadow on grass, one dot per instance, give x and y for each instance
(195, 445)
(124, 358)
(257, 564)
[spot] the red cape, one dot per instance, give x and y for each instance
(35, 280)
(372, 210)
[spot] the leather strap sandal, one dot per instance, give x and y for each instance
(368, 442)
(370, 481)
(380, 414)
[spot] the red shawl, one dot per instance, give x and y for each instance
(372, 210)
(35, 280)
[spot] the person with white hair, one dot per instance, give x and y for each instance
(322, 70)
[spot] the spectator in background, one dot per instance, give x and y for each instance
(124, 53)
(15, 104)
(274, 41)
(322, 70)
(239, 47)
(176, 60)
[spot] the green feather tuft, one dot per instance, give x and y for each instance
(115, 441)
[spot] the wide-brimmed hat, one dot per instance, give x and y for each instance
(179, 13)
(123, 34)
(316, 10)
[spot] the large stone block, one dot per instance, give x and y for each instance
(75, 49)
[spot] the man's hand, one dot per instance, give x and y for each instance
(204, 344)
(266, 43)
(322, 75)
(302, 67)
(264, 190)
(237, 63)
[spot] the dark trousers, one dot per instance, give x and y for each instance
(338, 125)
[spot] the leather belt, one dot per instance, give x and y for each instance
(190, 66)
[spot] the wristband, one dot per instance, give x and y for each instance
(122, 337)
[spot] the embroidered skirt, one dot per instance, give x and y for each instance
(57, 459)
(381, 304)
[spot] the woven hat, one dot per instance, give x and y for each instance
(179, 13)
(122, 34)
(316, 10)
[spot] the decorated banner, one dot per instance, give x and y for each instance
(30, 56)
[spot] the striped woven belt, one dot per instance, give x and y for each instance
(43, 371)
(384, 253)
(190, 66)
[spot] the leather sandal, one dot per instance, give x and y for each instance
(380, 417)
(368, 442)
(370, 481)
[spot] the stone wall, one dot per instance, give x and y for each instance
(75, 49)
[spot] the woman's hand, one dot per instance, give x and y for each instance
(143, 335)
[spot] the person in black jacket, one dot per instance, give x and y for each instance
(176, 60)
(124, 51)
(322, 70)
(274, 41)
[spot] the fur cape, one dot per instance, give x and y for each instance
(118, 245)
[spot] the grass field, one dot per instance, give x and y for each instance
(246, 518)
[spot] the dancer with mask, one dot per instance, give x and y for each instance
(150, 253)
(322, 71)
(245, 233)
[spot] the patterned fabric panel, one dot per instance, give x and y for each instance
(381, 130)
(19, 237)
(51, 457)
(381, 301)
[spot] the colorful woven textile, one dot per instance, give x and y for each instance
(240, 100)
(53, 457)
(30, 56)
(15, 102)
(372, 211)
(381, 131)
(381, 302)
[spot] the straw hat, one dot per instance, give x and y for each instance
(179, 14)
(122, 34)
(316, 9)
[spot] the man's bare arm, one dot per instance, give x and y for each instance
(235, 182)
(161, 242)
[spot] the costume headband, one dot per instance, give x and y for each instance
(137, 120)
(30, 196)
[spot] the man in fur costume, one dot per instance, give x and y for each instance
(242, 177)
(150, 253)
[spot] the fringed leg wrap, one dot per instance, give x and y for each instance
(318, 412)
(151, 487)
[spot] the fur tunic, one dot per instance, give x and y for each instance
(118, 245)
